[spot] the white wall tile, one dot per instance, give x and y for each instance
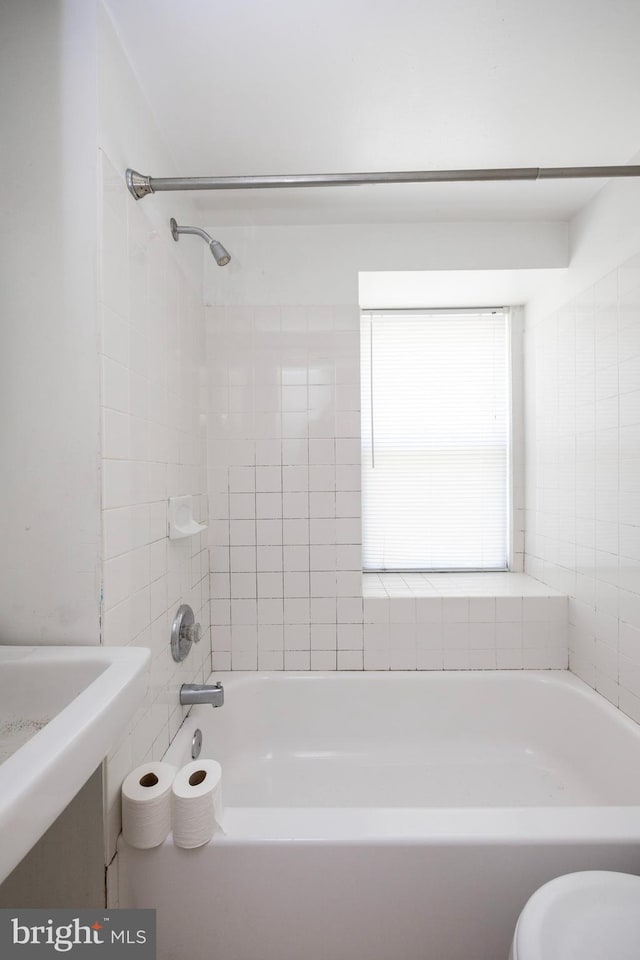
(296, 610)
(350, 660)
(293, 490)
(296, 636)
(429, 636)
(143, 461)
(295, 531)
(578, 445)
(322, 451)
(294, 452)
(242, 506)
(350, 610)
(297, 660)
(296, 559)
(270, 660)
(268, 532)
(323, 660)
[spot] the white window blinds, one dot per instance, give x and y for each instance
(435, 456)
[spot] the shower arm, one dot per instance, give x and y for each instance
(141, 186)
(176, 231)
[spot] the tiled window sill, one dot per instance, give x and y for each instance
(398, 585)
(468, 621)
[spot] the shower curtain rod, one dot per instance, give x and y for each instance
(140, 185)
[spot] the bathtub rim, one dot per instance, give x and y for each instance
(429, 825)
(231, 679)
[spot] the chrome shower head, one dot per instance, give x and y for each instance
(219, 253)
(221, 256)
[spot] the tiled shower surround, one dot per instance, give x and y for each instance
(285, 531)
(153, 447)
(583, 475)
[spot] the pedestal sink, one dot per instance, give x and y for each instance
(61, 710)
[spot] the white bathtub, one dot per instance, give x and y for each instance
(391, 816)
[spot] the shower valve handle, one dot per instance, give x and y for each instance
(191, 632)
(184, 632)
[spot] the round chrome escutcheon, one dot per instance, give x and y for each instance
(196, 744)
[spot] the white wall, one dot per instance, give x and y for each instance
(582, 350)
(601, 237)
(102, 381)
(283, 347)
(49, 522)
(319, 265)
(285, 538)
(153, 428)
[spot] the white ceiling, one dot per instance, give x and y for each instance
(323, 86)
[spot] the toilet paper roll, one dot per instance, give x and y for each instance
(146, 804)
(197, 803)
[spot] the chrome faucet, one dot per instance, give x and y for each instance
(202, 693)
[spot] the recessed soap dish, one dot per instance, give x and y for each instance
(181, 521)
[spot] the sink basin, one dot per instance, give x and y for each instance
(61, 710)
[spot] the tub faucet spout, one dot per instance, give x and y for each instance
(202, 693)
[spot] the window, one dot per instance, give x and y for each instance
(435, 432)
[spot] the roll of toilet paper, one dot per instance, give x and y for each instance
(197, 803)
(146, 804)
